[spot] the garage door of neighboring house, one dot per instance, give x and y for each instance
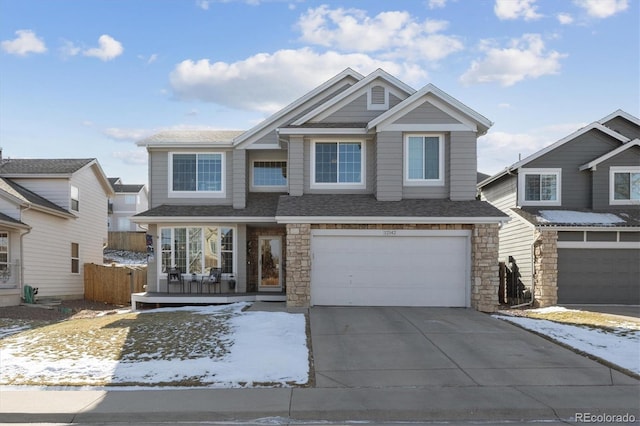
(596, 275)
(390, 268)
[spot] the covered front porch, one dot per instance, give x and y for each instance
(138, 300)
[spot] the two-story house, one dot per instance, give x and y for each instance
(52, 221)
(360, 192)
(575, 209)
(127, 201)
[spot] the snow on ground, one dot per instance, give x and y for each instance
(123, 257)
(620, 346)
(582, 218)
(268, 348)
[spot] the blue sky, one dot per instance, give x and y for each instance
(89, 78)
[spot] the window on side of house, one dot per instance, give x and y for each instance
(75, 258)
(196, 173)
(4, 251)
(269, 175)
(338, 163)
(624, 185)
(131, 199)
(424, 159)
(197, 249)
(75, 198)
(539, 187)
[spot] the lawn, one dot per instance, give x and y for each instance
(610, 338)
(212, 346)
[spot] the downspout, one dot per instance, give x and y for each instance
(22, 252)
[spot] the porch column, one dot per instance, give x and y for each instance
(298, 265)
(484, 267)
(545, 267)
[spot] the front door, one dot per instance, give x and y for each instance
(270, 264)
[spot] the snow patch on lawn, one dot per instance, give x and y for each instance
(265, 348)
(620, 347)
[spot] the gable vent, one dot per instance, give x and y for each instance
(378, 98)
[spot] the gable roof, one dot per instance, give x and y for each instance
(31, 166)
(620, 113)
(276, 119)
(593, 126)
(132, 188)
(443, 101)
(612, 153)
(21, 195)
(344, 97)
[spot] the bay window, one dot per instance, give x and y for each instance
(197, 249)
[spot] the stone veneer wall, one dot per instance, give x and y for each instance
(484, 259)
(545, 267)
(484, 267)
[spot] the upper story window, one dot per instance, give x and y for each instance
(196, 174)
(624, 185)
(75, 198)
(131, 199)
(338, 163)
(424, 159)
(539, 187)
(269, 175)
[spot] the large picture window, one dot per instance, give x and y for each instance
(197, 249)
(270, 174)
(624, 185)
(424, 160)
(195, 173)
(338, 163)
(539, 187)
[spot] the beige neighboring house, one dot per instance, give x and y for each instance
(52, 221)
(127, 201)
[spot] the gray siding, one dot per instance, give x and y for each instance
(576, 184)
(516, 237)
(624, 127)
(501, 193)
(369, 167)
(296, 165)
(239, 179)
(354, 112)
(462, 166)
(630, 157)
(426, 113)
(389, 166)
(159, 184)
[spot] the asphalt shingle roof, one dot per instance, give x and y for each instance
(630, 217)
(127, 188)
(258, 205)
(22, 193)
(29, 166)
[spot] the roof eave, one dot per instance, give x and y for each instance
(395, 220)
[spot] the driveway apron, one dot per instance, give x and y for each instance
(383, 347)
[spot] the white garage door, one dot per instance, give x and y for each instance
(390, 268)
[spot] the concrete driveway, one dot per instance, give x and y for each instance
(387, 347)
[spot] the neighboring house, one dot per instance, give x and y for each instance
(575, 209)
(52, 222)
(127, 201)
(361, 192)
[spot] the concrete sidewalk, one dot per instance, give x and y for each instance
(379, 365)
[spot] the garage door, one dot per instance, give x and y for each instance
(599, 276)
(390, 268)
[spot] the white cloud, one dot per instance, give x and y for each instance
(109, 48)
(514, 9)
(26, 42)
(564, 18)
(498, 149)
(203, 4)
(437, 4)
(267, 82)
(602, 8)
(393, 34)
(136, 157)
(524, 58)
(149, 59)
(127, 135)
(69, 49)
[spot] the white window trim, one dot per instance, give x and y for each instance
(620, 169)
(72, 199)
(378, 107)
(75, 258)
(441, 154)
(338, 185)
(197, 194)
(268, 188)
(521, 187)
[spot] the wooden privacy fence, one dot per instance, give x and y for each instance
(113, 284)
(130, 241)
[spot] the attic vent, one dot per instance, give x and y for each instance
(378, 98)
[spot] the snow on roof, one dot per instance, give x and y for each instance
(578, 218)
